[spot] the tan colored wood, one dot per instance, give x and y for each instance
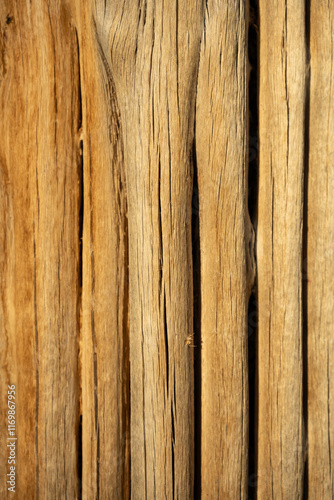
(105, 338)
(102, 102)
(39, 159)
(320, 255)
(225, 236)
(282, 80)
(153, 51)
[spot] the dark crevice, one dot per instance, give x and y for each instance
(177, 52)
(98, 464)
(81, 214)
(79, 81)
(170, 164)
(9, 19)
(197, 321)
(92, 317)
(160, 224)
(144, 14)
(305, 239)
(173, 453)
(37, 366)
(126, 347)
(253, 111)
(79, 467)
(80, 263)
(166, 344)
(253, 51)
(80, 174)
(252, 369)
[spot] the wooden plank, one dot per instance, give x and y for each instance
(39, 152)
(227, 268)
(153, 49)
(320, 255)
(105, 338)
(279, 248)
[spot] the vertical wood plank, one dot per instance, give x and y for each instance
(39, 151)
(153, 51)
(279, 248)
(320, 254)
(227, 269)
(105, 342)
(8, 372)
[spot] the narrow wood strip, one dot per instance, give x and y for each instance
(282, 80)
(320, 255)
(39, 151)
(105, 341)
(221, 140)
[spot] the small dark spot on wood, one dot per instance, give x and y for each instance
(9, 19)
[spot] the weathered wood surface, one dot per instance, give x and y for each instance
(319, 266)
(153, 53)
(221, 146)
(39, 161)
(107, 111)
(104, 339)
(282, 88)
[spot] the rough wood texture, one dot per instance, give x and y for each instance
(225, 234)
(320, 254)
(279, 248)
(39, 157)
(105, 342)
(153, 50)
(104, 107)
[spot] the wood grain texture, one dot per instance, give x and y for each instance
(153, 49)
(225, 237)
(320, 255)
(39, 157)
(104, 342)
(112, 113)
(282, 80)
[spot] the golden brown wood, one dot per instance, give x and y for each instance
(39, 158)
(221, 139)
(105, 342)
(279, 248)
(320, 255)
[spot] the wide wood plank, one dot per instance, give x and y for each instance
(39, 158)
(153, 49)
